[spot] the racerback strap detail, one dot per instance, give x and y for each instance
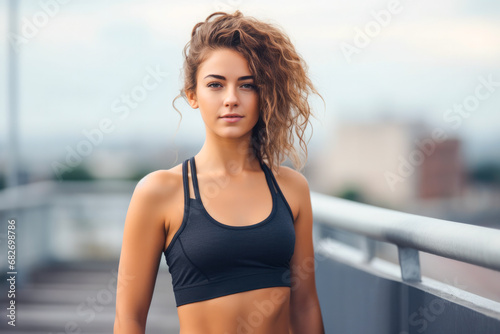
(194, 178)
(185, 181)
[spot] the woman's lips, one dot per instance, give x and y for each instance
(232, 119)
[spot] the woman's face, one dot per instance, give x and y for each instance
(224, 85)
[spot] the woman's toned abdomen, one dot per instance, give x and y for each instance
(260, 311)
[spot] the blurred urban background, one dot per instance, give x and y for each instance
(411, 123)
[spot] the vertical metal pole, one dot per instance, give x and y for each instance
(12, 163)
(409, 262)
(368, 246)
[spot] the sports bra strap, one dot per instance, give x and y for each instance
(185, 181)
(194, 177)
(269, 175)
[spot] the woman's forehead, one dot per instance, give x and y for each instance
(228, 63)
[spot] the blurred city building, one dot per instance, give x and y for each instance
(406, 166)
(392, 163)
(442, 173)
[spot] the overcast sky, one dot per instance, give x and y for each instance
(75, 67)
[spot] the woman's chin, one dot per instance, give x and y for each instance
(234, 133)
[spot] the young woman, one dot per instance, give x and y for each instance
(235, 227)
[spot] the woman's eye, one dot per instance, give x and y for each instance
(218, 85)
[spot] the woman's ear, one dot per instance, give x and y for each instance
(191, 96)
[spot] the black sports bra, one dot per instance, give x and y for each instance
(208, 259)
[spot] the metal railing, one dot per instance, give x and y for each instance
(81, 206)
(411, 233)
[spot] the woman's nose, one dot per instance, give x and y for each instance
(231, 97)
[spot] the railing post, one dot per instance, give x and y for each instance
(409, 261)
(368, 248)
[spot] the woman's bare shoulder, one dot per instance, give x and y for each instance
(291, 178)
(294, 187)
(161, 183)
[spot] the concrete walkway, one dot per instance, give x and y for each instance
(80, 298)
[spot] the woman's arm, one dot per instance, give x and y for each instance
(142, 246)
(305, 312)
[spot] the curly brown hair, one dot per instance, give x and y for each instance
(280, 76)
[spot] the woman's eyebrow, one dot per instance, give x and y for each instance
(220, 77)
